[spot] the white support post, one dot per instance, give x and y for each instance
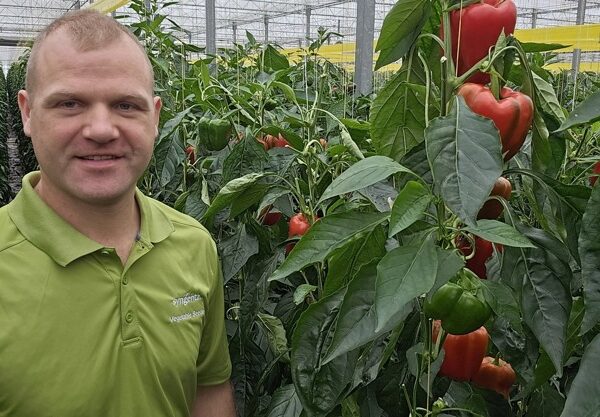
(365, 36)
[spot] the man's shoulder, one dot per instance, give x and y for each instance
(179, 219)
(9, 234)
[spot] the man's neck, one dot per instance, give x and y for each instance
(114, 225)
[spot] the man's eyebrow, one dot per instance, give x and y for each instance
(65, 94)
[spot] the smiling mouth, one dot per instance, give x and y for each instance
(99, 157)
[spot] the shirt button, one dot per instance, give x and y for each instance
(129, 317)
(125, 280)
(105, 252)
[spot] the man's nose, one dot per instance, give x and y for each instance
(100, 125)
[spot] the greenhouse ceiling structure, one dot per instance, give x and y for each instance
(292, 24)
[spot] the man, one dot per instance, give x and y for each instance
(111, 304)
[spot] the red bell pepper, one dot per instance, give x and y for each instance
(512, 114)
(462, 353)
(492, 208)
(475, 29)
(484, 249)
(595, 173)
(496, 375)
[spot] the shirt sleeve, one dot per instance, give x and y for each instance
(213, 365)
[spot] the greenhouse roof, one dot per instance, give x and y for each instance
(279, 21)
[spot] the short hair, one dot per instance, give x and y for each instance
(90, 30)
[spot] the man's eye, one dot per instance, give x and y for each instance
(69, 104)
(125, 106)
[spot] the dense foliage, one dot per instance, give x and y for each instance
(344, 223)
(15, 80)
(5, 192)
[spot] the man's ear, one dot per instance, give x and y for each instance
(24, 106)
(157, 107)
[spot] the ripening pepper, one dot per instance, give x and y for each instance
(595, 173)
(461, 310)
(496, 375)
(214, 133)
(462, 353)
(512, 114)
(475, 29)
(492, 208)
(484, 249)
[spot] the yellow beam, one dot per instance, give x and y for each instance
(107, 6)
(584, 37)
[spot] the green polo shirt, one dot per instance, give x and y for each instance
(83, 335)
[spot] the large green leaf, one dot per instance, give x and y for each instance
(275, 334)
(589, 251)
(345, 263)
(320, 387)
(583, 399)
(357, 318)
(398, 114)
(285, 403)
(586, 112)
(546, 98)
(232, 190)
(274, 59)
(168, 155)
(246, 157)
(409, 206)
(464, 152)
(362, 174)
(499, 232)
(236, 250)
(546, 304)
(325, 236)
(400, 28)
(403, 274)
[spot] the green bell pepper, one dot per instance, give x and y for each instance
(214, 133)
(460, 306)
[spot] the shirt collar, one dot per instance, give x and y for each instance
(45, 229)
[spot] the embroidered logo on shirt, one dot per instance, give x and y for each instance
(186, 299)
(183, 301)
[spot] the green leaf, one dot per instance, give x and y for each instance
(589, 251)
(583, 399)
(587, 112)
(531, 47)
(275, 334)
(287, 91)
(246, 157)
(401, 26)
(546, 98)
(285, 403)
(325, 236)
(362, 174)
(319, 387)
(357, 319)
(499, 232)
(168, 155)
(546, 304)
(274, 59)
(302, 292)
(398, 114)
(409, 206)
(548, 402)
(403, 274)
(503, 302)
(464, 152)
(232, 190)
(235, 252)
(345, 263)
(349, 143)
(172, 124)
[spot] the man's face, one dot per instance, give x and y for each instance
(92, 119)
